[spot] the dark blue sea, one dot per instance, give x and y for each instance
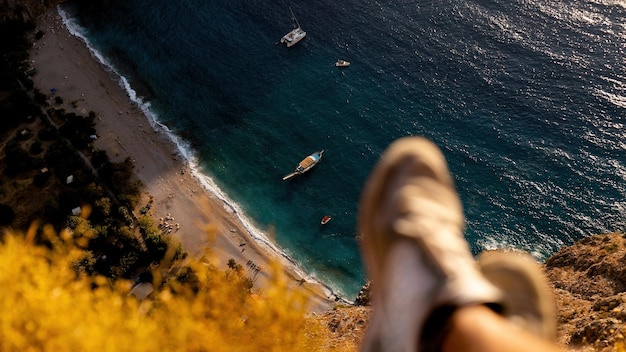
(526, 98)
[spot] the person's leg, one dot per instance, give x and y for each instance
(479, 329)
(527, 322)
(411, 223)
(528, 301)
(423, 276)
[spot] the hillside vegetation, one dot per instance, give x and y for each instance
(48, 304)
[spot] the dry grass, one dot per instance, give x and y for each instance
(47, 305)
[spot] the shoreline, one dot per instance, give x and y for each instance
(125, 128)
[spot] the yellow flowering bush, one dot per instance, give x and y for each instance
(46, 304)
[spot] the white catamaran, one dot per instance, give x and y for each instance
(296, 34)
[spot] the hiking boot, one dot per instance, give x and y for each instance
(411, 223)
(528, 301)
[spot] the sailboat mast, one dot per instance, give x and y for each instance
(294, 19)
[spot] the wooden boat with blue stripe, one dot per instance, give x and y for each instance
(306, 164)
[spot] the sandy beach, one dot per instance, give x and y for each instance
(63, 62)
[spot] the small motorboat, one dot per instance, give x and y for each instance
(342, 63)
(325, 219)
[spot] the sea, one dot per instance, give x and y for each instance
(526, 99)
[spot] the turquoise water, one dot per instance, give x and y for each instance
(526, 100)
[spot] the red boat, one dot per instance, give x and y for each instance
(325, 219)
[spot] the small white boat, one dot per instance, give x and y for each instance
(342, 63)
(306, 164)
(296, 34)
